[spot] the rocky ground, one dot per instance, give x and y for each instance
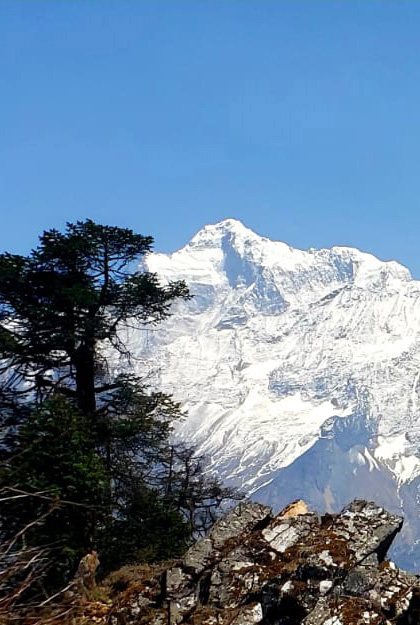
(284, 570)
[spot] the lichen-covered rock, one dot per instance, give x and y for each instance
(239, 521)
(181, 593)
(296, 568)
(200, 556)
(285, 531)
(368, 528)
(248, 615)
(345, 611)
(244, 518)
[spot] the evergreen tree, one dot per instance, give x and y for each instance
(85, 458)
(72, 293)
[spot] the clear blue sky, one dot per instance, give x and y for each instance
(301, 118)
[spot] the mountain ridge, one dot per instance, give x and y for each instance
(298, 370)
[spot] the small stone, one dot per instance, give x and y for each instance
(325, 556)
(249, 615)
(287, 587)
(325, 586)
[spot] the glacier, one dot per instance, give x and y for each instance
(299, 371)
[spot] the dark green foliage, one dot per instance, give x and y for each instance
(51, 472)
(85, 458)
(132, 421)
(146, 529)
(85, 496)
(74, 290)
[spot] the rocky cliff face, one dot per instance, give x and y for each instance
(294, 568)
(299, 371)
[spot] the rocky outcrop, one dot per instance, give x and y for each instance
(293, 568)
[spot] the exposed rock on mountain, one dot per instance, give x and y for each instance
(285, 570)
(299, 371)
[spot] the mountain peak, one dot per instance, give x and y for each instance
(230, 223)
(299, 370)
(228, 253)
(214, 233)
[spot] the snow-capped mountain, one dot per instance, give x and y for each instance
(299, 371)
